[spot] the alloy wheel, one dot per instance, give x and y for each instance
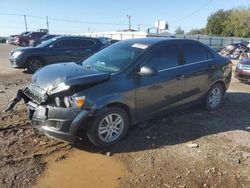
(111, 127)
(215, 97)
(34, 65)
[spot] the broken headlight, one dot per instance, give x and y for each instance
(77, 102)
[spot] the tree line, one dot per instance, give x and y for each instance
(227, 23)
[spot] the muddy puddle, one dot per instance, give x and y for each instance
(82, 169)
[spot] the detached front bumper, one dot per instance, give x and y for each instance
(57, 122)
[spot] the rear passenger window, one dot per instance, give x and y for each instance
(69, 43)
(87, 43)
(72, 43)
(163, 57)
(194, 53)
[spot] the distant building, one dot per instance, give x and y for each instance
(119, 35)
(128, 30)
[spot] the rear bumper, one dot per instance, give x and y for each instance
(56, 122)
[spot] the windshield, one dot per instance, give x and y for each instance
(46, 43)
(114, 58)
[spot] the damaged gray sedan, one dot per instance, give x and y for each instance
(121, 85)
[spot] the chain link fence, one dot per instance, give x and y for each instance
(214, 42)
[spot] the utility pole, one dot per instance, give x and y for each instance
(25, 22)
(129, 22)
(47, 23)
(139, 27)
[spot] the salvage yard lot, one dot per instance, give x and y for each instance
(155, 154)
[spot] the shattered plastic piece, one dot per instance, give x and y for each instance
(193, 145)
(12, 103)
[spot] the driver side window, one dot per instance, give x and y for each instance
(59, 44)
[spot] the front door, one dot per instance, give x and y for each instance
(165, 88)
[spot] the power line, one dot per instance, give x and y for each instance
(70, 20)
(194, 12)
(38, 17)
(10, 14)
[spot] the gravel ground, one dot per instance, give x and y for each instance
(186, 148)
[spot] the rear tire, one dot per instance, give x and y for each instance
(214, 97)
(109, 127)
(33, 64)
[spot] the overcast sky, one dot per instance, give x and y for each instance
(109, 15)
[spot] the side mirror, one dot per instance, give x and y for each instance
(147, 71)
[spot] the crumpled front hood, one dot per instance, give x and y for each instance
(53, 76)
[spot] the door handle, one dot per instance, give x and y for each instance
(179, 77)
(68, 51)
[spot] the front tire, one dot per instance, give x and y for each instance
(214, 97)
(33, 64)
(109, 127)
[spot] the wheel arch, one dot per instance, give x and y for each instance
(85, 119)
(122, 106)
(221, 82)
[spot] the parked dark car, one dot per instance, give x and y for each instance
(242, 71)
(24, 40)
(125, 83)
(36, 42)
(107, 41)
(11, 39)
(3, 39)
(58, 49)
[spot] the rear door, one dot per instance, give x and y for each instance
(87, 48)
(165, 89)
(198, 70)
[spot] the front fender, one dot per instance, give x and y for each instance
(78, 122)
(105, 101)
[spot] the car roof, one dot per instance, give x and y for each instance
(75, 37)
(155, 40)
